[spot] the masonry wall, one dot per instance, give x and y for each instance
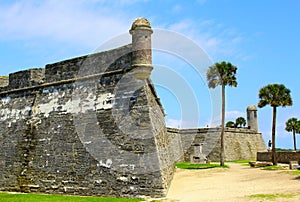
(89, 129)
(3, 81)
(282, 157)
(176, 147)
(26, 78)
(242, 144)
(239, 143)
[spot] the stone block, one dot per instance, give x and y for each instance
(3, 81)
(293, 165)
(259, 164)
(26, 78)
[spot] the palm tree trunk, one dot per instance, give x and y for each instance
(274, 159)
(222, 153)
(294, 136)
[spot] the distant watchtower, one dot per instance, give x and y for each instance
(252, 117)
(141, 48)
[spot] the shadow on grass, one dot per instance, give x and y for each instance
(295, 173)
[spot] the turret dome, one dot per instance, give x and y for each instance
(140, 22)
(251, 108)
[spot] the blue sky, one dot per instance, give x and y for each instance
(260, 37)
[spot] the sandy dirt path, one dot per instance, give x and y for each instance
(234, 184)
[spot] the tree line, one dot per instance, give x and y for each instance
(276, 95)
(239, 123)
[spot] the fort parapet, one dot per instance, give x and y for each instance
(107, 62)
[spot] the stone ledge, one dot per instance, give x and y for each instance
(60, 82)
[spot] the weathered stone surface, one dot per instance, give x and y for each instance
(240, 143)
(282, 157)
(85, 126)
(97, 63)
(3, 81)
(26, 78)
(255, 164)
(252, 120)
(294, 165)
(46, 132)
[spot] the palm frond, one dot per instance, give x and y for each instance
(275, 95)
(292, 124)
(221, 74)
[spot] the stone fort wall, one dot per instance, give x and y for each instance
(240, 143)
(84, 126)
(282, 156)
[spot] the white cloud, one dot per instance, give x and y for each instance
(216, 39)
(229, 115)
(119, 2)
(73, 21)
(174, 123)
(181, 26)
(90, 23)
(177, 8)
(234, 114)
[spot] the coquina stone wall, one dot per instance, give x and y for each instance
(84, 126)
(282, 157)
(240, 143)
(3, 81)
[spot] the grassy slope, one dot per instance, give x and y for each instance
(7, 197)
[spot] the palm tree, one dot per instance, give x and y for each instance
(293, 125)
(230, 124)
(240, 121)
(274, 95)
(222, 74)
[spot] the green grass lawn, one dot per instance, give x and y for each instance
(8, 197)
(187, 165)
(295, 173)
(242, 162)
(273, 168)
(272, 196)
